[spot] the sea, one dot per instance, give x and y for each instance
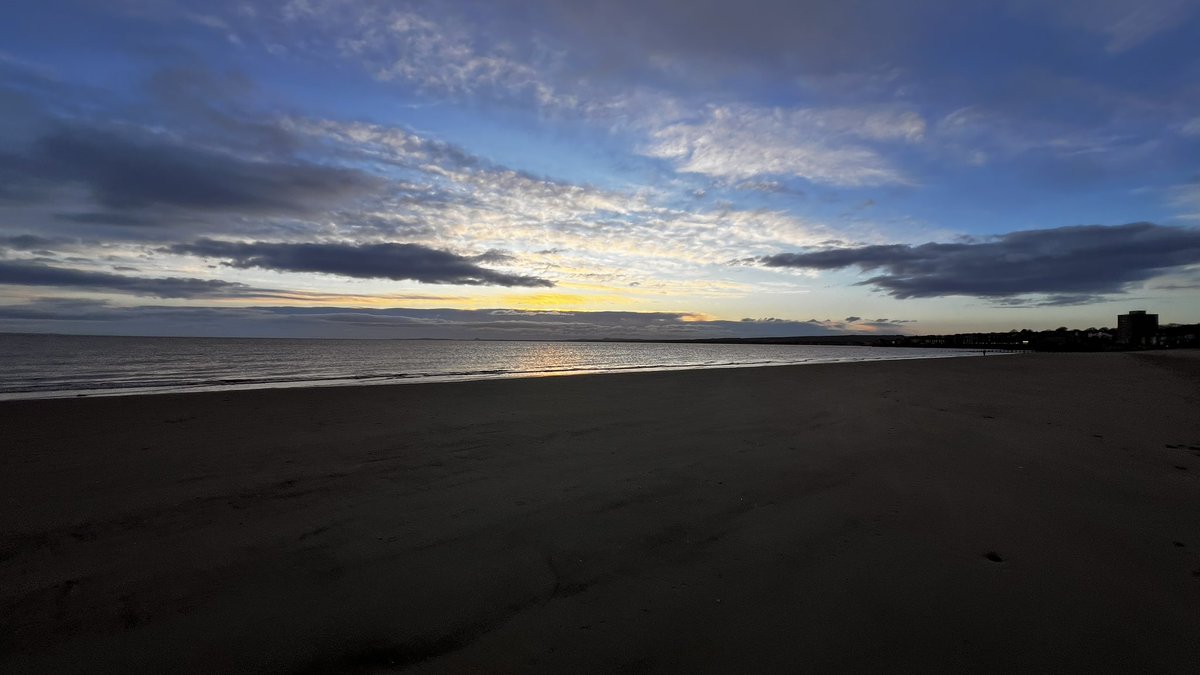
(55, 366)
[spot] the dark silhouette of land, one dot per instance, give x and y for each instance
(1057, 340)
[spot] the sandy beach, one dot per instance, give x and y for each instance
(999, 513)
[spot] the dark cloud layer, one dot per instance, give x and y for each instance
(1069, 262)
(108, 218)
(24, 273)
(26, 242)
(399, 262)
(100, 318)
(139, 171)
(219, 106)
(625, 34)
(197, 152)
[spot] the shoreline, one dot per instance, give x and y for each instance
(997, 514)
(384, 380)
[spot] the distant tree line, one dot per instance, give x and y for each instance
(1058, 340)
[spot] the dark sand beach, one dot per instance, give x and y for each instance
(1018, 512)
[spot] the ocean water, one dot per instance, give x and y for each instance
(46, 366)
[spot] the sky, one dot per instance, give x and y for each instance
(596, 169)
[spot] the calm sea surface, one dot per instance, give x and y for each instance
(41, 366)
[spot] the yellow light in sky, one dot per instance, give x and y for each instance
(564, 301)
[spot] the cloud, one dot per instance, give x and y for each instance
(36, 273)
(195, 151)
(451, 195)
(1186, 198)
(405, 186)
(700, 43)
(1141, 20)
(1036, 125)
(1068, 263)
(745, 103)
(124, 172)
(398, 262)
(435, 194)
(538, 49)
(437, 51)
(1125, 24)
(377, 142)
(26, 273)
(1060, 300)
(99, 317)
(219, 108)
(110, 218)
(740, 142)
(26, 242)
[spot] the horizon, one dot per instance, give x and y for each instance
(605, 338)
(659, 170)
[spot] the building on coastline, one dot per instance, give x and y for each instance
(1137, 328)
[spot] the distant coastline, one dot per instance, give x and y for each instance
(1060, 339)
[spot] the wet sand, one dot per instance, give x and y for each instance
(995, 513)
